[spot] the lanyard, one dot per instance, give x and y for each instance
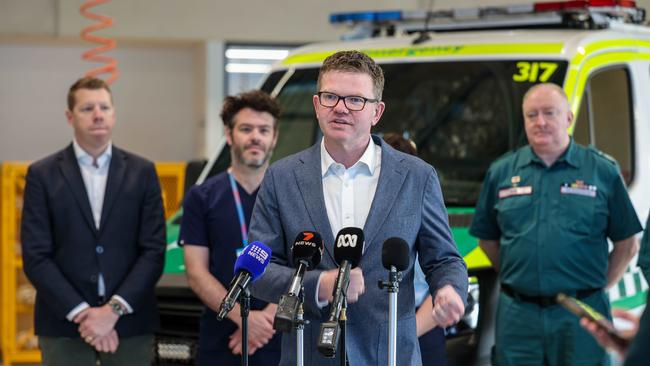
(240, 210)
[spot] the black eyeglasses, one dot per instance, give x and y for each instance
(352, 102)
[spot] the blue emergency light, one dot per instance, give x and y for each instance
(366, 16)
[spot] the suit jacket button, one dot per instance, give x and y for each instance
(99, 249)
(93, 278)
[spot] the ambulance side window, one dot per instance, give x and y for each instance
(605, 117)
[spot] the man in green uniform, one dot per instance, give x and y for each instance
(543, 219)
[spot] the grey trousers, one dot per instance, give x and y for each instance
(132, 351)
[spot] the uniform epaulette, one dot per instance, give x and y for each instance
(603, 155)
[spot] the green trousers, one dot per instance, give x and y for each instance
(530, 335)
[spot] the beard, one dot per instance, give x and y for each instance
(255, 162)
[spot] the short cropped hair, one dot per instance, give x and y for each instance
(354, 61)
(554, 87)
(86, 82)
(256, 100)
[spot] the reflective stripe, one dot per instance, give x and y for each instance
(431, 51)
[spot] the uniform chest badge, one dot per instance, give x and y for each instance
(515, 180)
(579, 188)
(515, 190)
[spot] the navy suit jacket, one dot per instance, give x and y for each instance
(63, 252)
(408, 204)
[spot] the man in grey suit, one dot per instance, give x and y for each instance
(354, 179)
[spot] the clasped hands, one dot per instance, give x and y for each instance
(97, 328)
(260, 329)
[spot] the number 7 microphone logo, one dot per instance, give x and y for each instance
(308, 236)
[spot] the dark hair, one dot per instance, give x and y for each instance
(354, 61)
(86, 82)
(398, 142)
(254, 99)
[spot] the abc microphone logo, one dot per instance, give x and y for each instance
(347, 240)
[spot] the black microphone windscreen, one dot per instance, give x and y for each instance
(395, 252)
(308, 247)
(349, 245)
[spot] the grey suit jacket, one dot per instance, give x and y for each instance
(408, 204)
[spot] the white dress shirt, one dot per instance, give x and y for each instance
(349, 192)
(94, 173)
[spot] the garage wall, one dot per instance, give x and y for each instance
(158, 98)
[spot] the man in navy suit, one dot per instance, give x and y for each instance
(354, 179)
(93, 241)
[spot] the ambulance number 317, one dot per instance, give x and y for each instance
(534, 72)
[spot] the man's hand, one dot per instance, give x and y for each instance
(448, 307)
(260, 330)
(605, 339)
(235, 343)
(108, 343)
(96, 322)
(328, 281)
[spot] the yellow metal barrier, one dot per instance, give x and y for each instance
(172, 179)
(17, 340)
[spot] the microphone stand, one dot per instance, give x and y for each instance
(300, 328)
(244, 308)
(342, 320)
(392, 285)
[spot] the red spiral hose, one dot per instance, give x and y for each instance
(106, 44)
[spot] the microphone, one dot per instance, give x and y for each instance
(395, 258)
(348, 249)
(307, 252)
(249, 266)
(395, 254)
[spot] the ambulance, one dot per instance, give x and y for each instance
(454, 85)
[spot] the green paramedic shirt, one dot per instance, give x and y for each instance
(553, 222)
